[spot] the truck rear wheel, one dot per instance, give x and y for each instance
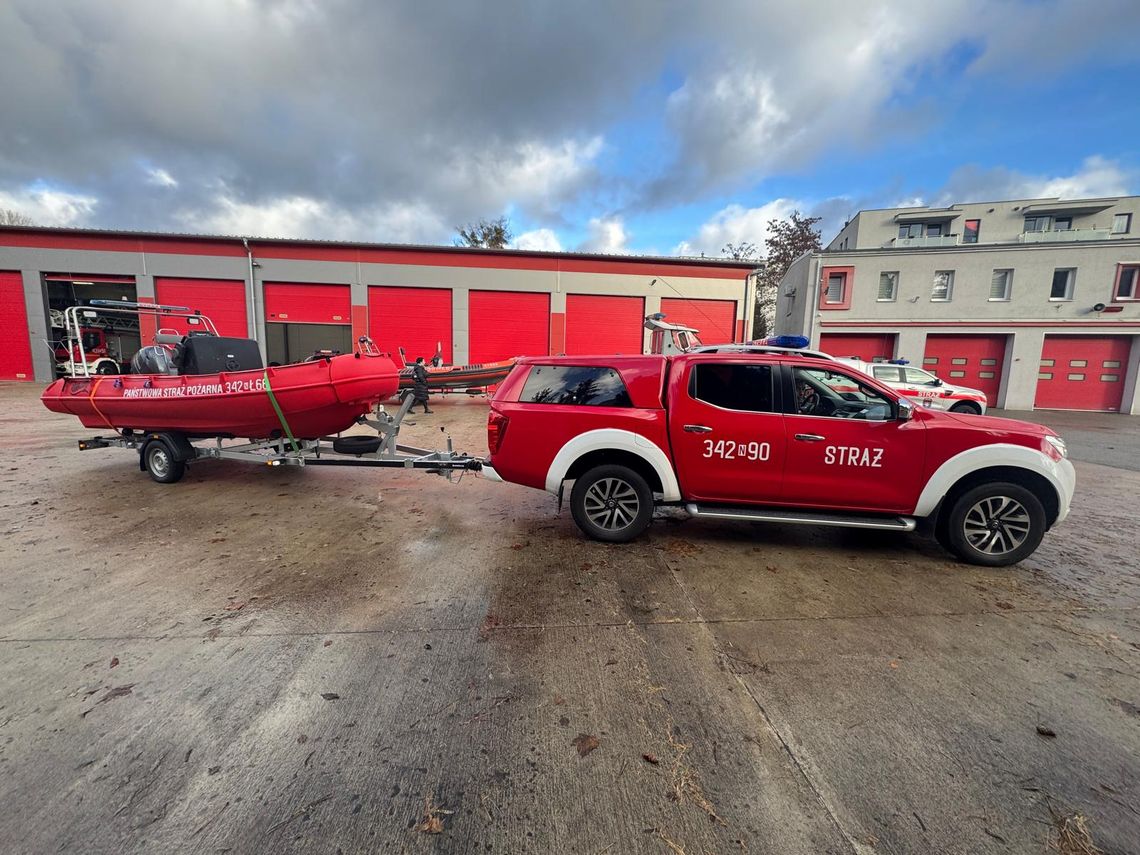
(995, 524)
(161, 463)
(611, 503)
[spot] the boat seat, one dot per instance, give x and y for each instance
(211, 354)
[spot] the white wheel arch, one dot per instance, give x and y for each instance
(1059, 473)
(613, 439)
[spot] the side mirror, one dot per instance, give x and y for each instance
(937, 381)
(905, 410)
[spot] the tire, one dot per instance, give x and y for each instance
(995, 524)
(356, 445)
(160, 463)
(106, 368)
(967, 409)
(612, 504)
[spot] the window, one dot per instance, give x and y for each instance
(1062, 288)
(934, 230)
(835, 287)
(1063, 224)
(970, 231)
(1128, 283)
(577, 385)
(1001, 285)
(1121, 224)
(910, 230)
(820, 392)
(943, 289)
(887, 373)
(733, 386)
(1037, 224)
(888, 286)
(919, 377)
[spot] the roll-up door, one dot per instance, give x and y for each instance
(299, 303)
(221, 300)
(716, 319)
(15, 344)
(604, 324)
(967, 360)
(1079, 372)
(503, 324)
(868, 347)
(413, 318)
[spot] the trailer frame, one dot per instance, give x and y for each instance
(165, 454)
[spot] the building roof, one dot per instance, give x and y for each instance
(394, 247)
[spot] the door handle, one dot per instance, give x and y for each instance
(809, 437)
(700, 429)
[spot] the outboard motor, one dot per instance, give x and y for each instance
(153, 359)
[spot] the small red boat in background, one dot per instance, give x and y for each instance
(442, 378)
(206, 385)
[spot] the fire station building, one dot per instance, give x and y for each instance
(1036, 302)
(295, 296)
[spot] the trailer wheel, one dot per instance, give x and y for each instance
(611, 503)
(356, 445)
(161, 464)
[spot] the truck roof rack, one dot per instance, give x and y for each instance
(761, 348)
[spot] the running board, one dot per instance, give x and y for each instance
(802, 518)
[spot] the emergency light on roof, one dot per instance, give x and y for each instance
(898, 361)
(793, 341)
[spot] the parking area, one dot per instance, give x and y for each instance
(337, 660)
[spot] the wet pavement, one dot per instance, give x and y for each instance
(334, 660)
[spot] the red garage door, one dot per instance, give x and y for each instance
(866, 347)
(1082, 372)
(15, 346)
(412, 318)
(503, 324)
(297, 303)
(604, 324)
(716, 319)
(221, 300)
(967, 360)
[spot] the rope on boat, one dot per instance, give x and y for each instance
(280, 415)
(95, 407)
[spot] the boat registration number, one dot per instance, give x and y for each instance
(257, 385)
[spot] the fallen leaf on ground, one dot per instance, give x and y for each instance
(650, 758)
(328, 642)
(1046, 731)
(431, 823)
(330, 696)
(585, 743)
(114, 661)
(117, 692)
(236, 606)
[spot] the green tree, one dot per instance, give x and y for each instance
(8, 217)
(787, 240)
(485, 234)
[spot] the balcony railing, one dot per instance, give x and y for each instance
(937, 240)
(1065, 235)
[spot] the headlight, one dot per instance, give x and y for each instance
(1058, 444)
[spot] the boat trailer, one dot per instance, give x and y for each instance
(165, 454)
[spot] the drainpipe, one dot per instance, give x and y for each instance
(256, 322)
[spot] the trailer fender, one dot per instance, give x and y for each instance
(176, 443)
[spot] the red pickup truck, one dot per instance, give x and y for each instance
(770, 434)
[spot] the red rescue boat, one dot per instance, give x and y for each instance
(205, 385)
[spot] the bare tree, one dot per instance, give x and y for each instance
(8, 217)
(485, 234)
(743, 251)
(787, 240)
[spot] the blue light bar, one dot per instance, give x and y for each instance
(793, 341)
(899, 361)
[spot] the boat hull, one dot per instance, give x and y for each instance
(461, 376)
(316, 398)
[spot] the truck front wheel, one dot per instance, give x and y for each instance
(995, 524)
(611, 503)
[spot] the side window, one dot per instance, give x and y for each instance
(918, 376)
(887, 373)
(733, 386)
(576, 385)
(820, 392)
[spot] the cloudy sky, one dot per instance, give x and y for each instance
(645, 126)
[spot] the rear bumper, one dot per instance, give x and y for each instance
(488, 472)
